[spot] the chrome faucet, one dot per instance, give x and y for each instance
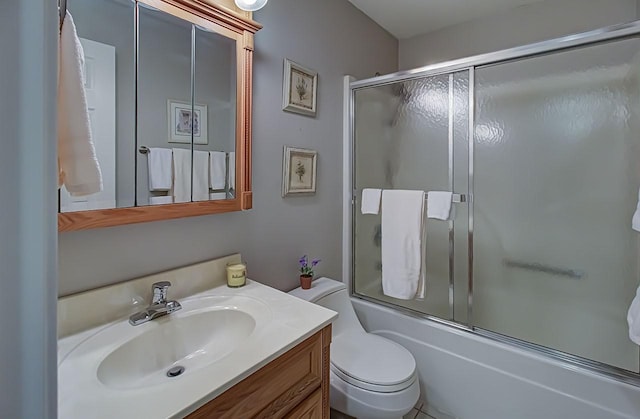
(159, 305)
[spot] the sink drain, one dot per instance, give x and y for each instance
(175, 371)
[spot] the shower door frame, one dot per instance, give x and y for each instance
(470, 64)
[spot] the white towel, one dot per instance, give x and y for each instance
(370, 201)
(635, 221)
(78, 167)
(159, 163)
(214, 196)
(633, 318)
(439, 204)
(181, 190)
(160, 200)
(232, 170)
(200, 175)
(403, 244)
(217, 169)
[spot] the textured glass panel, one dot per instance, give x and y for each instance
(402, 142)
(461, 186)
(556, 182)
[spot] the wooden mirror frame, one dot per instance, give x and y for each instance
(223, 17)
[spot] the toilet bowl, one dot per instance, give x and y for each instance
(371, 377)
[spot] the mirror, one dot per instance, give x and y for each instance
(194, 129)
(164, 80)
(216, 81)
(169, 108)
(106, 32)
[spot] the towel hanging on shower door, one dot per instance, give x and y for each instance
(403, 244)
(633, 318)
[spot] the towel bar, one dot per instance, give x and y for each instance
(457, 198)
(538, 267)
(143, 149)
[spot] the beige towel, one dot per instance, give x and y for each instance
(78, 167)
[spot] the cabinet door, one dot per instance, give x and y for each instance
(275, 389)
(310, 408)
(165, 109)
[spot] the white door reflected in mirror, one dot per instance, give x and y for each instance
(100, 88)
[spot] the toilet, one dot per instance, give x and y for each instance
(371, 377)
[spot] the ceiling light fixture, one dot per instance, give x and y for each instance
(251, 5)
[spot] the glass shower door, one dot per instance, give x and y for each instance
(557, 171)
(414, 135)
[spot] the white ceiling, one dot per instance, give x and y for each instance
(407, 18)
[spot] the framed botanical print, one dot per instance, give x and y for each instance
(299, 167)
(299, 89)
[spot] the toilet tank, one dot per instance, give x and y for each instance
(333, 295)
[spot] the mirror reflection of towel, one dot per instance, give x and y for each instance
(159, 165)
(200, 175)
(232, 170)
(218, 169)
(181, 190)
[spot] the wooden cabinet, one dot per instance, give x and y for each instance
(310, 408)
(215, 18)
(294, 385)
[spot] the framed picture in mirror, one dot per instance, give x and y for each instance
(181, 122)
(300, 86)
(299, 168)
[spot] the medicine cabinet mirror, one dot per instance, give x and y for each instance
(172, 79)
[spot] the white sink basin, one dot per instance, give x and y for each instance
(219, 336)
(204, 331)
(191, 341)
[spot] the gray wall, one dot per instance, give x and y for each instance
(330, 36)
(28, 359)
(519, 26)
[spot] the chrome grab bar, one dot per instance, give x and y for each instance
(538, 267)
(456, 198)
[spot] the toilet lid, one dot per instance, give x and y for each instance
(372, 362)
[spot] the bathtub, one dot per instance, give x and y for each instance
(468, 376)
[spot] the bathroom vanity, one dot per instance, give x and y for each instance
(250, 352)
(295, 385)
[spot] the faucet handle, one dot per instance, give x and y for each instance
(160, 291)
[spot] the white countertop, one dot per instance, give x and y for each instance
(284, 322)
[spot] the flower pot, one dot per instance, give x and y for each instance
(305, 281)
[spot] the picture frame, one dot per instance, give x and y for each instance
(299, 169)
(179, 120)
(299, 89)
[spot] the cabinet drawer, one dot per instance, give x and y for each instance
(275, 389)
(310, 408)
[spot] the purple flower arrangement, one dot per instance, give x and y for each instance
(305, 268)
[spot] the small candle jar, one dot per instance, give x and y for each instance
(236, 274)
